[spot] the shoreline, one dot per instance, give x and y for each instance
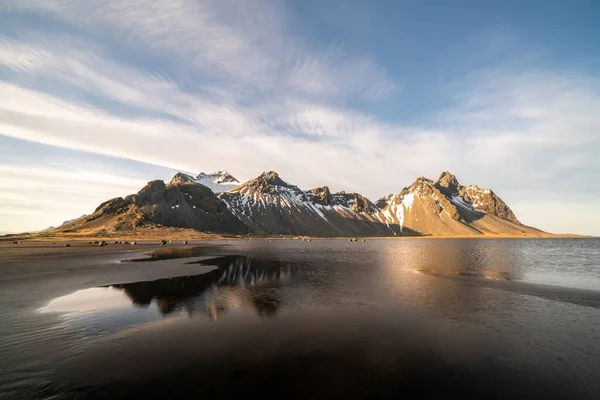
(33, 261)
(200, 236)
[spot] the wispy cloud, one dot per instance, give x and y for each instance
(245, 42)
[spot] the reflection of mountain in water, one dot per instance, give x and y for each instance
(231, 285)
(496, 260)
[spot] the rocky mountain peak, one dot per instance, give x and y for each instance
(320, 195)
(216, 181)
(420, 181)
(268, 182)
(485, 200)
(180, 178)
(382, 202)
(355, 201)
(447, 179)
(271, 178)
(150, 193)
(447, 184)
(218, 177)
(421, 187)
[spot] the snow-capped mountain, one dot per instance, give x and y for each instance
(268, 205)
(181, 203)
(220, 181)
(445, 207)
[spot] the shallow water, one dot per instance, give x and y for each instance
(409, 318)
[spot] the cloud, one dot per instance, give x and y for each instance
(35, 198)
(237, 90)
(534, 123)
(242, 42)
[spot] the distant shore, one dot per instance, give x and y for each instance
(18, 247)
(189, 234)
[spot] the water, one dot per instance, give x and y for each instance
(409, 318)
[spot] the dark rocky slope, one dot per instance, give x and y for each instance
(179, 204)
(269, 205)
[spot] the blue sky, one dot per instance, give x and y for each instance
(99, 97)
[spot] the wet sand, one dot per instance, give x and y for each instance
(344, 319)
(582, 297)
(33, 273)
(38, 271)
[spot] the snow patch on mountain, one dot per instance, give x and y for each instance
(408, 200)
(460, 202)
(395, 208)
(249, 200)
(220, 181)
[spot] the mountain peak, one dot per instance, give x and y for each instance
(447, 184)
(320, 195)
(180, 177)
(448, 179)
(272, 178)
(269, 175)
(219, 181)
(267, 182)
(217, 177)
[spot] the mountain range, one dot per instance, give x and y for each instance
(269, 206)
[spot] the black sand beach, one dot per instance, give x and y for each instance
(414, 318)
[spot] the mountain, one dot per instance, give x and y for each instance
(268, 205)
(220, 181)
(180, 204)
(444, 207)
(70, 220)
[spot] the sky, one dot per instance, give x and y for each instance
(98, 97)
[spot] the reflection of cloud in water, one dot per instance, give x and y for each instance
(227, 287)
(88, 300)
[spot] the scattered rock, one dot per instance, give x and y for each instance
(67, 245)
(15, 242)
(133, 243)
(163, 242)
(185, 242)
